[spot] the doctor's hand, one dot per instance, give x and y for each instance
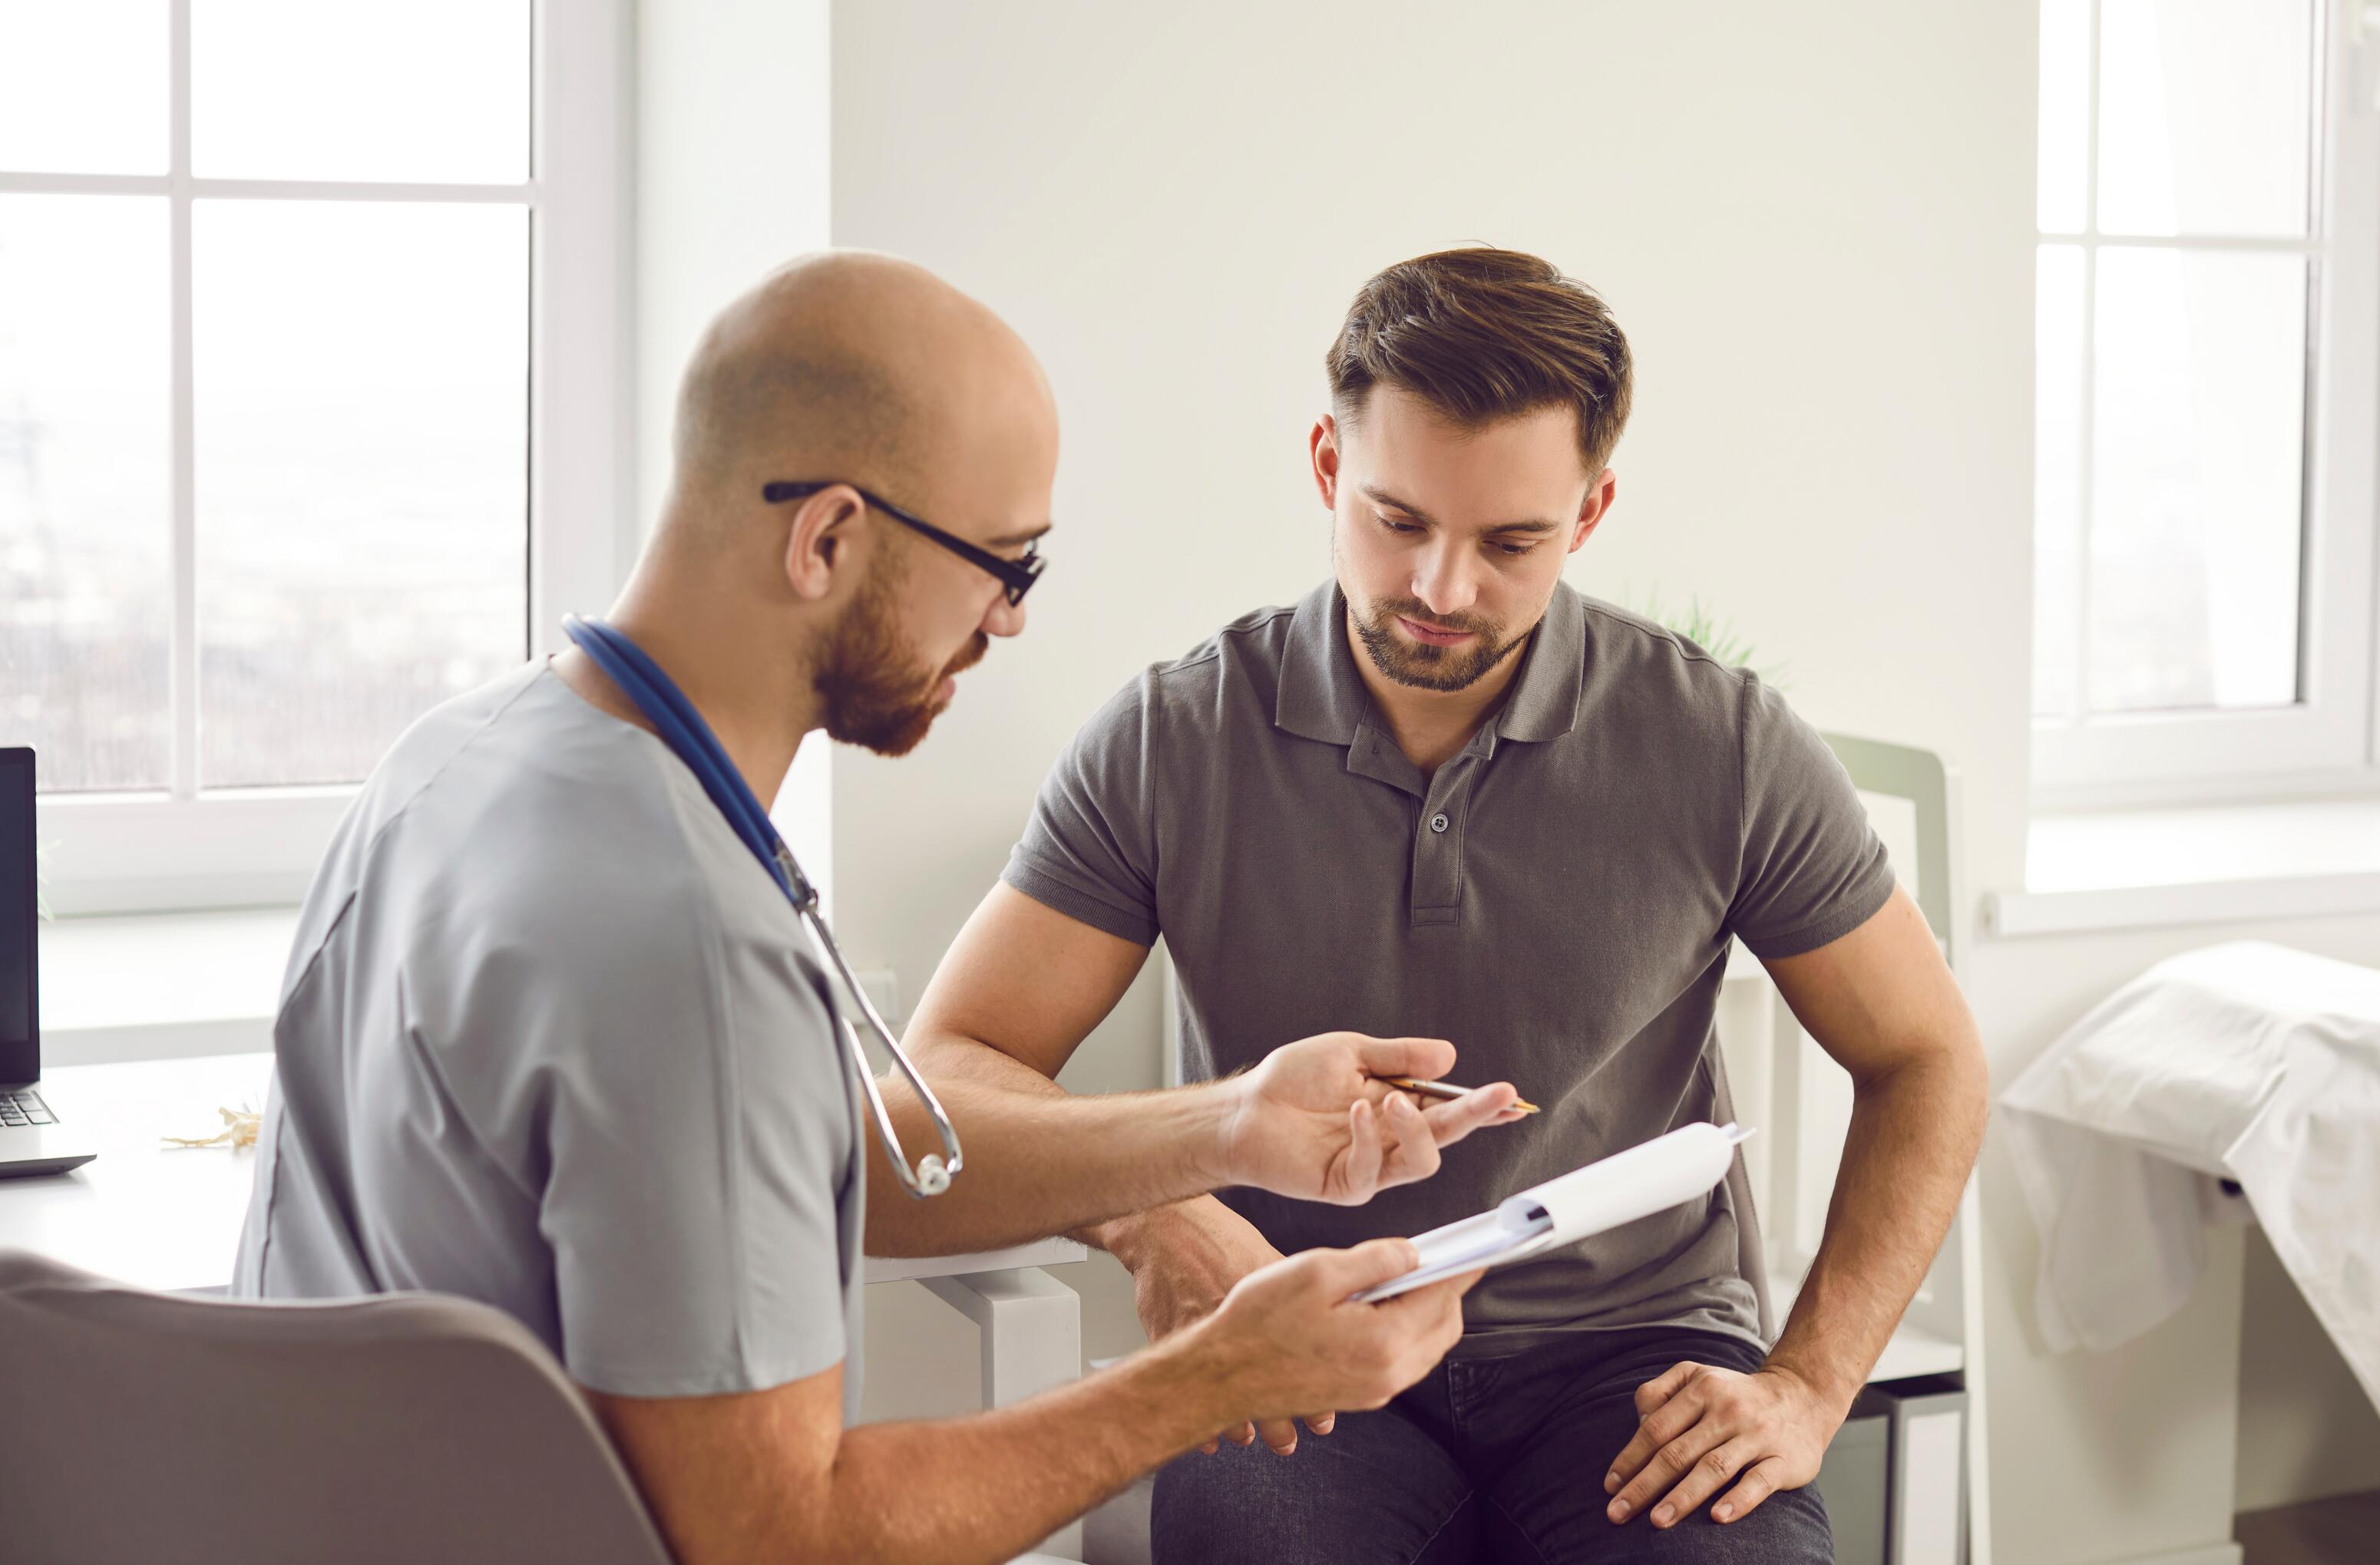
(1702, 1427)
(1183, 1259)
(1286, 1336)
(1314, 1120)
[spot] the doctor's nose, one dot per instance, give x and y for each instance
(1003, 618)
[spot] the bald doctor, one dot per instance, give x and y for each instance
(550, 1038)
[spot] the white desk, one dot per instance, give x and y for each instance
(168, 1219)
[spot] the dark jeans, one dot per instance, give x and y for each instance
(1493, 1460)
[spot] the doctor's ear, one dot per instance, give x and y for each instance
(821, 542)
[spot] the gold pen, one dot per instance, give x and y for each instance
(1443, 1089)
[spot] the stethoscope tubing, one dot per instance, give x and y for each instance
(680, 726)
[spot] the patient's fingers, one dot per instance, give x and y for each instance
(1279, 1434)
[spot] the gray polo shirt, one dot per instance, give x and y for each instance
(550, 1039)
(1558, 900)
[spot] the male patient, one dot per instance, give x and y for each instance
(1447, 794)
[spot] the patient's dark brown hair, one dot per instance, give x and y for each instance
(1481, 335)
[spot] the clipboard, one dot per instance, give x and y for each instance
(1661, 1173)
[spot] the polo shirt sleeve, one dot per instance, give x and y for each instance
(1089, 847)
(698, 1128)
(1810, 868)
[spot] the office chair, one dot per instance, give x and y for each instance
(400, 1428)
(407, 1428)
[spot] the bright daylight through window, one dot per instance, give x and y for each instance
(265, 389)
(2172, 355)
(2187, 342)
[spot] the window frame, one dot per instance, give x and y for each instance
(2325, 742)
(186, 848)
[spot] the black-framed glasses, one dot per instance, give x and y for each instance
(1016, 576)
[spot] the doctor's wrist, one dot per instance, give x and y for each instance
(1210, 1371)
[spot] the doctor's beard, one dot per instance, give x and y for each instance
(875, 691)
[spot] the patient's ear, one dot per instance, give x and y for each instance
(1594, 508)
(1322, 447)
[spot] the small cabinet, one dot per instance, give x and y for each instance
(1894, 1477)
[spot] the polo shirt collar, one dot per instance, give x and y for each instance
(1544, 703)
(1322, 696)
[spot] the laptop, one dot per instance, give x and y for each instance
(32, 1139)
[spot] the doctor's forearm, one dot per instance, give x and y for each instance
(985, 1489)
(1913, 1140)
(1039, 1159)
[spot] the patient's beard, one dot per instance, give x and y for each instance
(874, 693)
(1425, 667)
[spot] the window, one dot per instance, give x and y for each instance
(2207, 283)
(308, 403)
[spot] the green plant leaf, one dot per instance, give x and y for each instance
(1706, 628)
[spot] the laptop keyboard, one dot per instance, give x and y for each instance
(23, 1105)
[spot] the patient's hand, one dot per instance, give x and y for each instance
(1702, 1427)
(1314, 1120)
(1183, 1259)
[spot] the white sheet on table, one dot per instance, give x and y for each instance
(2250, 1059)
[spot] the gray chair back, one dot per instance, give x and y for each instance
(404, 1427)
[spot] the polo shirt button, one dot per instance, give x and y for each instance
(1437, 823)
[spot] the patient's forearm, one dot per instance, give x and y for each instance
(1134, 1236)
(1039, 1159)
(1914, 1135)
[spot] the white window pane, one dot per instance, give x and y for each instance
(2057, 475)
(86, 518)
(2197, 478)
(363, 474)
(2064, 151)
(430, 91)
(2205, 115)
(83, 89)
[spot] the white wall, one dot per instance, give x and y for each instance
(732, 125)
(1815, 224)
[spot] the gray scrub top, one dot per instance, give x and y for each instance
(550, 1039)
(1558, 899)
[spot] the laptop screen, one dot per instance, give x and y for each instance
(20, 1054)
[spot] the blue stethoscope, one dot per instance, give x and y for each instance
(681, 727)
